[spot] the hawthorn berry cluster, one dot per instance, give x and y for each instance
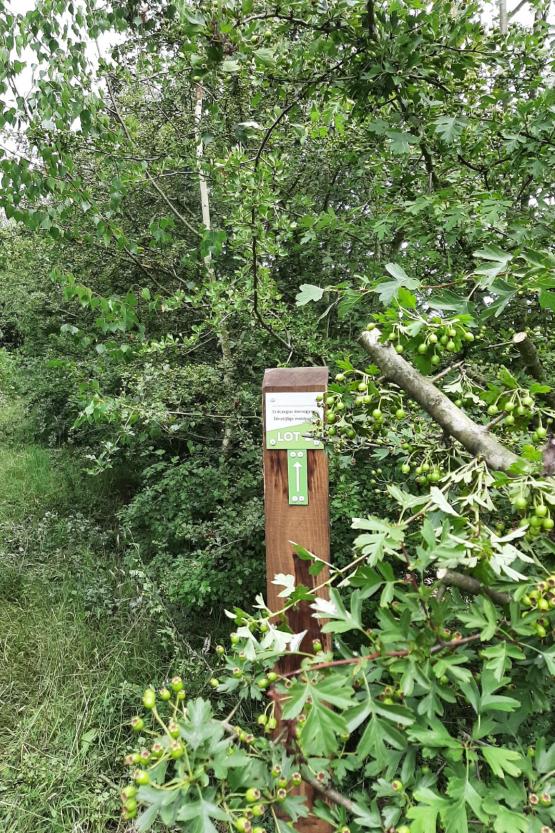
(432, 338)
(172, 748)
(536, 517)
(541, 599)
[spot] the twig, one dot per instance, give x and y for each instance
(472, 586)
(333, 795)
(404, 652)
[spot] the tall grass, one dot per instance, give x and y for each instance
(78, 641)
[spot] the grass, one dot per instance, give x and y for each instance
(78, 642)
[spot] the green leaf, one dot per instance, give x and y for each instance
(481, 614)
(501, 760)
(545, 758)
(199, 726)
(400, 141)
(230, 66)
(507, 821)
(426, 812)
(492, 253)
(436, 737)
(265, 56)
(449, 128)
(388, 290)
(397, 271)
(307, 293)
(454, 817)
(382, 538)
(441, 501)
(200, 813)
(499, 658)
(463, 790)
(547, 299)
(147, 818)
(549, 659)
(320, 730)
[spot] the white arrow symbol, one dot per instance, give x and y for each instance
(298, 467)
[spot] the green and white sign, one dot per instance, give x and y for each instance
(297, 476)
(290, 420)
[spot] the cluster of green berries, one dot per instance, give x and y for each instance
(174, 688)
(516, 407)
(256, 803)
(129, 807)
(542, 599)
(544, 800)
(537, 518)
(267, 721)
(424, 473)
(239, 672)
(390, 695)
(342, 407)
(439, 337)
(174, 749)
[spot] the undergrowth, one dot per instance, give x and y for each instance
(78, 636)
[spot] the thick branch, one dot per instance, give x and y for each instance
(475, 438)
(472, 586)
(532, 363)
(526, 348)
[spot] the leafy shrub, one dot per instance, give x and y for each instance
(198, 525)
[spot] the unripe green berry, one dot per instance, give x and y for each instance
(176, 683)
(252, 795)
(149, 698)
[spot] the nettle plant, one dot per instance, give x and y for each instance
(430, 710)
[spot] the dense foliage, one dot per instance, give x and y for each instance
(227, 186)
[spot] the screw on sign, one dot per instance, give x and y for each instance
(296, 501)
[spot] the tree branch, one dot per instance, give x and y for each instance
(402, 652)
(475, 438)
(517, 8)
(530, 357)
(471, 585)
(329, 792)
(532, 363)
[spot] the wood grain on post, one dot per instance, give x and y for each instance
(307, 525)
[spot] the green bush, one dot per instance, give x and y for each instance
(199, 526)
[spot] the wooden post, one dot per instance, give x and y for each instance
(295, 511)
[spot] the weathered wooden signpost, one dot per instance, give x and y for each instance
(296, 501)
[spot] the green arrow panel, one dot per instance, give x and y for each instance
(297, 476)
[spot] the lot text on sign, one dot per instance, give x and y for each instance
(291, 419)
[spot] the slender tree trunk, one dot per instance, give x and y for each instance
(223, 331)
(503, 17)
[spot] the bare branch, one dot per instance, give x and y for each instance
(472, 586)
(530, 357)
(532, 363)
(517, 8)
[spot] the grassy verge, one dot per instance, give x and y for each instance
(78, 642)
